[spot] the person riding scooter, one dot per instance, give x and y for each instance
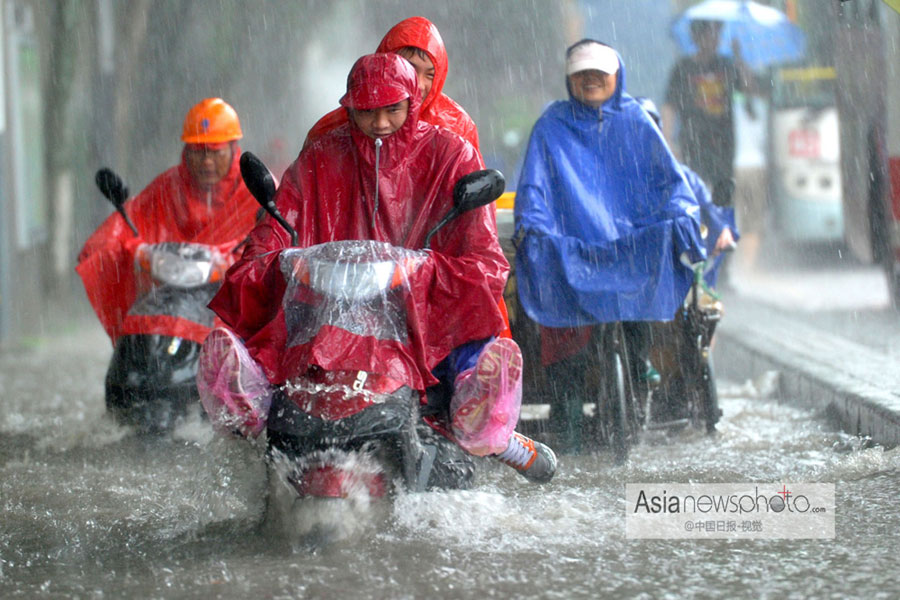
(386, 176)
(201, 201)
(418, 40)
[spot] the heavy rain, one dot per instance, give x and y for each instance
(700, 209)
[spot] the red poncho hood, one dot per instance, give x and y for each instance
(438, 108)
(172, 208)
(328, 194)
(419, 32)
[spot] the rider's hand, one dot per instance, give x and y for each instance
(725, 242)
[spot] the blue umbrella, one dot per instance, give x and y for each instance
(765, 34)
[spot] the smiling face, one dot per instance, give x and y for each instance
(424, 68)
(592, 87)
(383, 121)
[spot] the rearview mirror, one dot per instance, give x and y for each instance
(111, 186)
(478, 189)
(261, 183)
(114, 189)
(257, 178)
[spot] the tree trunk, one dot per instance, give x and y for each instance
(65, 20)
(130, 49)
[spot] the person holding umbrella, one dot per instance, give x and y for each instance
(725, 39)
(700, 94)
(699, 97)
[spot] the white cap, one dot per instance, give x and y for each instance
(592, 56)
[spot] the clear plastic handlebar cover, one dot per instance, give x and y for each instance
(356, 285)
(177, 279)
(177, 264)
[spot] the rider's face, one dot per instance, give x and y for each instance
(208, 164)
(381, 122)
(592, 87)
(424, 70)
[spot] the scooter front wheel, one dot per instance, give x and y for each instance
(316, 505)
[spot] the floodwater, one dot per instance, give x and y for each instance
(88, 510)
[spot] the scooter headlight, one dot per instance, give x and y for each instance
(354, 270)
(183, 266)
(358, 280)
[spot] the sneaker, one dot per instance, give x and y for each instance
(534, 460)
(650, 375)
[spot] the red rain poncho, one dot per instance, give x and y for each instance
(171, 209)
(438, 108)
(327, 194)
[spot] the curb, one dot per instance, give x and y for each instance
(846, 380)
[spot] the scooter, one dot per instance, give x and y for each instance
(151, 380)
(337, 439)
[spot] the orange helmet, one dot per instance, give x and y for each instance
(211, 121)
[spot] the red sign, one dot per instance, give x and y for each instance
(804, 143)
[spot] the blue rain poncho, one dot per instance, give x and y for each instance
(602, 215)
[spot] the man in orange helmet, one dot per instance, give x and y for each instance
(202, 200)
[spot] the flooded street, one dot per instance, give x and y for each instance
(89, 511)
(617, 151)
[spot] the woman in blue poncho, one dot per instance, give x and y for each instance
(603, 214)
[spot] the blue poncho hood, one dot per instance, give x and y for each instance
(602, 214)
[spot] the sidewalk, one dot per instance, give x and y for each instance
(830, 335)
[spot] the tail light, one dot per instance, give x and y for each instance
(328, 481)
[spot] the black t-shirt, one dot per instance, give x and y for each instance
(702, 96)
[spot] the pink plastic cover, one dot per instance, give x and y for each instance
(487, 398)
(233, 389)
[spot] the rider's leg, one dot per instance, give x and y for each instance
(485, 407)
(567, 385)
(233, 388)
(637, 340)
